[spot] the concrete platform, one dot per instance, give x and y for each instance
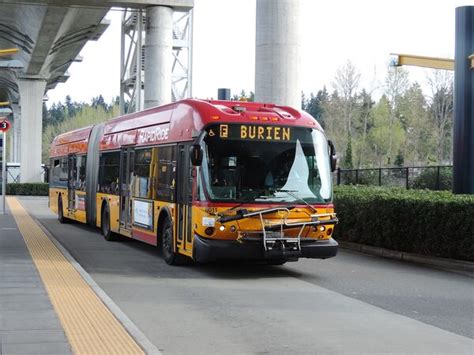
(46, 305)
(28, 322)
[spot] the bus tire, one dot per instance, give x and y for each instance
(276, 262)
(105, 225)
(61, 217)
(167, 245)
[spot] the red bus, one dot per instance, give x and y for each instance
(204, 180)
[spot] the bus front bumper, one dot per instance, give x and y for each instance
(207, 250)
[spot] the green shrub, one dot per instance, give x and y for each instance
(33, 189)
(434, 223)
(428, 179)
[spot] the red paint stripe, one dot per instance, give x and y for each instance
(144, 237)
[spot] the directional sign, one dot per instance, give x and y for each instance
(4, 125)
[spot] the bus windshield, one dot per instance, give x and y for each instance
(266, 164)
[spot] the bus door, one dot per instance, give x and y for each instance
(126, 170)
(71, 181)
(184, 199)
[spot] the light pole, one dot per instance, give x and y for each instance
(4, 127)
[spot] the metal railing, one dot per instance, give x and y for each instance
(13, 173)
(417, 177)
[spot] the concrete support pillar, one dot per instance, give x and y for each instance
(16, 135)
(31, 102)
(158, 55)
(277, 52)
(463, 130)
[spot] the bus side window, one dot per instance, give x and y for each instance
(81, 173)
(141, 186)
(166, 174)
(109, 173)
(55, 171)
(63, 171)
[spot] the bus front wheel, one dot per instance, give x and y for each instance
(105, 225)
(167, 245)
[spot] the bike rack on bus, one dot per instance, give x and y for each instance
(275, 242)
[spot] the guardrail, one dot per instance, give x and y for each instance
(13, 173)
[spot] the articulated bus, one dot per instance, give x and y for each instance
(203, 180)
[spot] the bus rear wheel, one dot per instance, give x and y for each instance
(167, 246)
(61, 217)
(105, 225)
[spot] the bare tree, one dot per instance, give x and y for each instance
(441, 83)
(396, 84)
(346, 83)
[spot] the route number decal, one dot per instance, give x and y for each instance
(4, 125)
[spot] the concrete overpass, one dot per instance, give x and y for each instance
(50, 39)
(51, 33)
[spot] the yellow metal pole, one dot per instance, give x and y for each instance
(8, 51)
(422, 61)
(4, 103)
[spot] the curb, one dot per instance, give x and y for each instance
(131, 328)
(466, 267)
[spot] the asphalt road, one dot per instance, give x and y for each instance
(353, 303)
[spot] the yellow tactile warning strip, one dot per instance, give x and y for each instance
(89, 325)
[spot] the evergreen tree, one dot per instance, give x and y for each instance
(99, 102)
(348, 154)
(315, 105)
(399, 160)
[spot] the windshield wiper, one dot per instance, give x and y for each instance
(258, 191)
(241, 214)
(223, 213)
(291, 193)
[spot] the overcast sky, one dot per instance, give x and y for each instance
(363, 31)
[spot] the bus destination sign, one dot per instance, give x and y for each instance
(251, 132)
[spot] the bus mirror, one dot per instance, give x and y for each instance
(196, 154)
(333, 157)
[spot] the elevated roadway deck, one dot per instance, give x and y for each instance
(50, 35)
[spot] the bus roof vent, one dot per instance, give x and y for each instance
(280, 112)
(239, 109)
(226, 109)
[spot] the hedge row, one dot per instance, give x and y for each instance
(434, 223)
(34, 189)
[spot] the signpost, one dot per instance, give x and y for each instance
(4, 127)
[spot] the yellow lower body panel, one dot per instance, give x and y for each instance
(89, 325)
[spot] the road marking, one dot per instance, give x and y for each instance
(89, 325)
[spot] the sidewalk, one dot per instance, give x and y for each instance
(28, 322)
(48, 306)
